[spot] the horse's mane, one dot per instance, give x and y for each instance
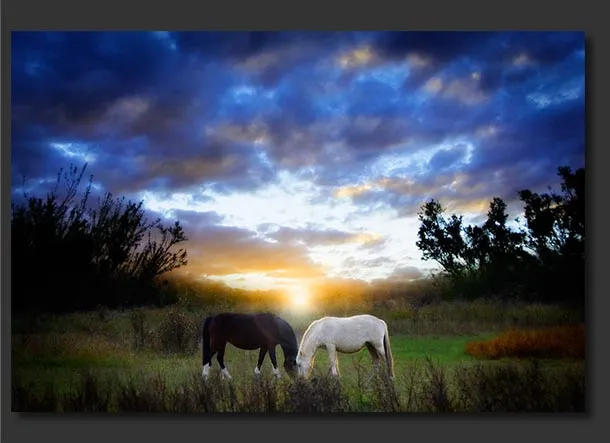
(308, 330)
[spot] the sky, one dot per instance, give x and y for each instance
(294, 157)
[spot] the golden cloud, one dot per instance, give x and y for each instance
(358, 57)
(351, 191)
(434, 85)
(418, 61)
(465, 90)
(475, 206)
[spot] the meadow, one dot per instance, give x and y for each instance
(149, 359)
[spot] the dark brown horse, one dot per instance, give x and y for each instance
(262, 331)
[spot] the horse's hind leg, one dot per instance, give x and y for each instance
(376, 355)
(261, 357)
(276, 371)
(206, 370)
(221, 361)
(380, 349)
(207, 364)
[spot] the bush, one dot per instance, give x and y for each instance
(178, 333)
(320, 394)
(514, 387)
(87, 254)
(558, 342)
(137, 318)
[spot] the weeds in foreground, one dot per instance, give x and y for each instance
(480, 388)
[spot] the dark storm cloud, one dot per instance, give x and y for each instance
(462, 191)
(141, 105)
(237, 45)
(76, 74)
(484, 48)
(443, 46)
(545, 47)
(197, 220)
(445, 158)
(437, 48)
(174, 111)
(554, 136)
(531, 96)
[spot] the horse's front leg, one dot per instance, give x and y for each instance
(276, 371)
(221, 361)
(332, 356)
(261, 357)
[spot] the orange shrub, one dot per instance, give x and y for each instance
(557, 342)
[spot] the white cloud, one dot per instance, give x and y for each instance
(296, 203)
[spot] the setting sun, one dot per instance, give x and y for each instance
(299, 297)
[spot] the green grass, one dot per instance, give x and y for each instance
(447, 350)
(407, 350)
(55, 352)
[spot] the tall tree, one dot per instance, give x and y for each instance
(556, 222)
(440, 240)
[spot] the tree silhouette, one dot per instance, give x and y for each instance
(556, 222)
(69, 254)
(547, 258)
(440, 240)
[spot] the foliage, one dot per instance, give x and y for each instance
(544, 261)
(557, 342)
(178, 333)
(70, 254)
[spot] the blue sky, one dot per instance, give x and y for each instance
(291, 157)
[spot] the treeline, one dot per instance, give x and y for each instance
(543, 261)
(70, 254)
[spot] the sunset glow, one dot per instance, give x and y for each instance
(300, 297)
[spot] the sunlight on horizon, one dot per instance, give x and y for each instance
(300, 298)
(381, 237)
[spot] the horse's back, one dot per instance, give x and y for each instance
(245, 330)
(244, 317)
(354, 321)
(350, 334)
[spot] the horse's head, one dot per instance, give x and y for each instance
(290, 365)
(290, 346)
(304, 366)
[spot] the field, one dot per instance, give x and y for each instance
(150, 360)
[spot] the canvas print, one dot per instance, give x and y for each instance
(298, 222)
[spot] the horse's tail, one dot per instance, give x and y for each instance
(388, 351)
(205, 335)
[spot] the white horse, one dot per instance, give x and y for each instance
(347, 335)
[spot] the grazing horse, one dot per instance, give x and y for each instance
(347, 335)
(262, 331)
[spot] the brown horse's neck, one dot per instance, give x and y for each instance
(287, 339)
